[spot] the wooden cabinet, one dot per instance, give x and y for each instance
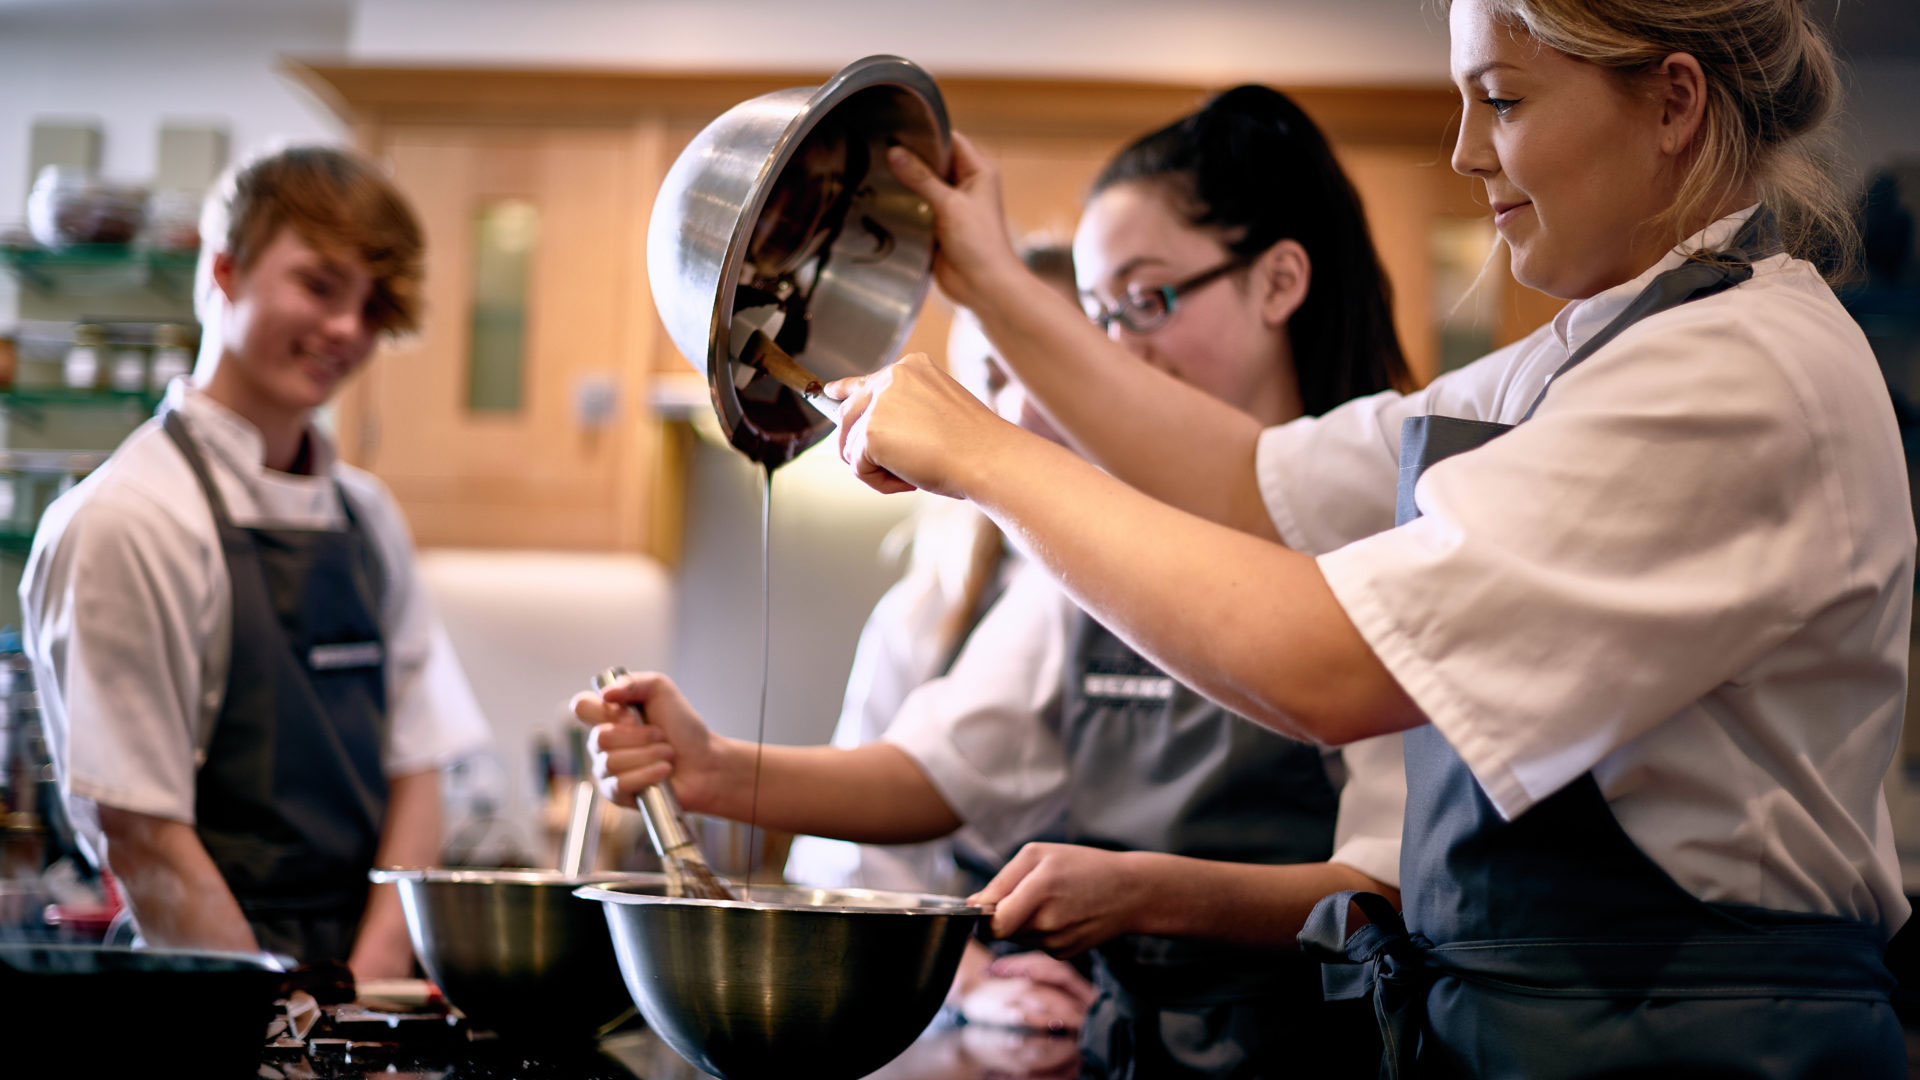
(556, 460)
(579, 460)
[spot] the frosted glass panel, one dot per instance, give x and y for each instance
(505, 234)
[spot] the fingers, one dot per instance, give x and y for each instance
(1040, 968)
(859, 394)
(643, 689)
(1010, 875)
(591, 708)
(1045, 1009)
(968, 161)
(1019, 897)
(919, 177)
(609, 737)
(627, 759)
(1016, 1003)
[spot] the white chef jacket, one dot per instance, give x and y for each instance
(129, 615)
(988, 736)
(1690, 573)
(903, 645)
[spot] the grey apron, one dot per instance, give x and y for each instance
(290, 799)
(1156, 767)
(1551, 945)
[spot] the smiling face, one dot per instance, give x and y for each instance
(296, 323)
(1575, 158)
(1222, 337)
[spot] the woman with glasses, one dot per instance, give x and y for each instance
(1188, 844)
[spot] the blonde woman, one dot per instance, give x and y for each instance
(1642, 608)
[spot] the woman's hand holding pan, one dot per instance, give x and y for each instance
(973, 255)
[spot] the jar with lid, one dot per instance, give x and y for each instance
(172, 356)
(127, 370)
(82, 367)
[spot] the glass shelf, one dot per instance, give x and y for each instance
(53, 462)
(62, 397)
(102, 268)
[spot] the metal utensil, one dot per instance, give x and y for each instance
(513, 949)
(786, 202)
(841, 980)
(688, 873)
(582, 838)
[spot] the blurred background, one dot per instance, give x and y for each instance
(554, 455)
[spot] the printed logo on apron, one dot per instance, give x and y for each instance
(1127, 687)
(346, 655)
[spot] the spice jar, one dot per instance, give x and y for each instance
(127, 372)
(81, 370)
(172, 356)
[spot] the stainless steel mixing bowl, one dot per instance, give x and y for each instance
(782, 215)
(789, 981)
(514, 950)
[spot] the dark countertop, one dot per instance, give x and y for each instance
(946, 1051)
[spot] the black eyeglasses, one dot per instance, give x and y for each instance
(1147, 310)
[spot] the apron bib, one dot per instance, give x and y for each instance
(290, 799)
(1551, 945)
(1156, 767)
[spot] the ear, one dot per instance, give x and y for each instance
(1280, 278)
(1680, 89)
(225, 274)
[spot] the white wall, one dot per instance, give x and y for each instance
(1197, 40)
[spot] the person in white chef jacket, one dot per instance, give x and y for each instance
(247, 694)
(959, 568)
(1638, 587)
(1191, 842)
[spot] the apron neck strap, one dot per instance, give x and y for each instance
(176, 428)
(1701, 275)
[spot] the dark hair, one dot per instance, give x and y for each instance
(1052, 260)
(1251, 166)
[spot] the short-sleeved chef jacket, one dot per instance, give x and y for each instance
(1690, 573)
(987, 734)
(128, 613)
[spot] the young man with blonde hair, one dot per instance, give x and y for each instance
(247, 695)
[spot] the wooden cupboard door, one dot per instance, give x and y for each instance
(555, 458)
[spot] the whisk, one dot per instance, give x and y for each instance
(687, 870)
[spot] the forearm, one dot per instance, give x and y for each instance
(1237, 903)
(170, 881)
(410, 836)
(1200, 457)
(872, 794)
(1249, 623)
